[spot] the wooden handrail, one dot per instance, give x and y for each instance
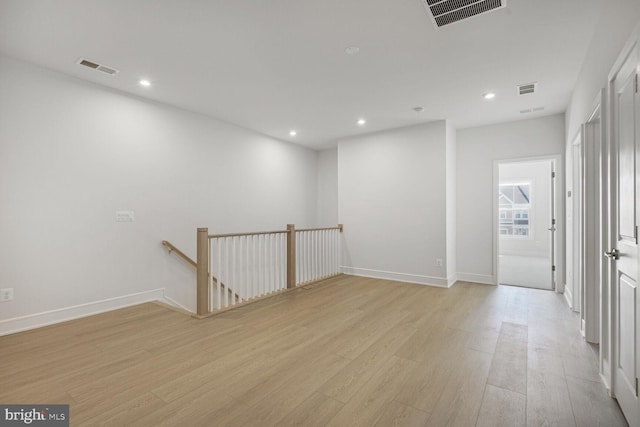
(339, 227)
(181, 254)
(218, 236)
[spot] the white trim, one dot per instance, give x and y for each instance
(568, 296)
(559, 248)
(440, 282)
(38, 320)
(477, 278)
(604, 377)
(451, 280)
(175, 303)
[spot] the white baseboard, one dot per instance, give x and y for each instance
(440, 282)
(477, 278)
(568, 296)
(451, 280)
(32, 321)
(175, 303)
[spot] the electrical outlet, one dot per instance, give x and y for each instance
(438, 262)
(6, 294)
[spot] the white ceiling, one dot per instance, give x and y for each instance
(276, 65)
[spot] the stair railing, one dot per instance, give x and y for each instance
(261, 264)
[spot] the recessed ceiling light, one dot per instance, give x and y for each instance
(361, 122)
(418, 109)
(145, 83)
(352, 50)
(293, 133)
(489, 95)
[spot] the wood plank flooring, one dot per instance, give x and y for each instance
(346, 352)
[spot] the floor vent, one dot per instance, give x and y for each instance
(445, 12)
(527, 89)
(98, 67)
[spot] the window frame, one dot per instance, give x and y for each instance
(516, 207)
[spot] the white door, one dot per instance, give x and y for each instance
(526, 223)
(592, 250)
(552, 226)
(624, 101)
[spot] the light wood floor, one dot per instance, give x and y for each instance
(350, 351)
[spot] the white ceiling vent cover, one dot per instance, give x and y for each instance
(527, 89)
(446, 12)
(97, 67)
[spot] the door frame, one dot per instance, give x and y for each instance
(559, 213)
(571, 287)
(594, 215)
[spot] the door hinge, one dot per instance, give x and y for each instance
(636, 387)
(636, 234)
(553, 174)
(553, 268)
(553, 221)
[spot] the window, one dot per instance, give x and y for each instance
(514, 204)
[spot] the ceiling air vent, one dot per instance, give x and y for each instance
(527, 88)
(532, 110)
(446, 12)
(98, 67)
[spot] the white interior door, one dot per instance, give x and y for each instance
(624, 101)
(591, 213)
(552, 225)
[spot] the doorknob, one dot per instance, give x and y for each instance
(551, 229)
(613, 253)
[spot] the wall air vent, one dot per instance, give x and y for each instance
(98, 67)
(446, 12)
(527, 89)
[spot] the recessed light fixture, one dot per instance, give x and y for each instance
(145, 83)
(352, 50)
(489, 95)
(292, 133)
(361, 122)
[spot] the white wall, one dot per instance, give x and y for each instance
(392, 202)
(617, 21)
(477, 149)
(328, 187)
(72, 153)
(538, 244)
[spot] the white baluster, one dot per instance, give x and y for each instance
(247, 294)
(310, 255)
(270, 261)
(323, 250)
(226, 272)
(254, 269)
(210, 270)
(219, 272)
(336, 234)
(298, 257)
(303, 254)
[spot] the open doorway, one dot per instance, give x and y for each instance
(526, 223)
